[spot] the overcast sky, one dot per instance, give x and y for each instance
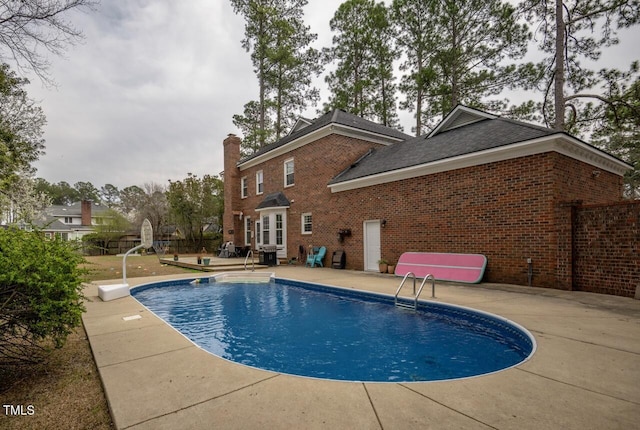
(150, 93)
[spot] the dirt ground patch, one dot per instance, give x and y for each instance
(110, 267)
(65, 391)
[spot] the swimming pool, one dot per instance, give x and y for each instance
(326, 332)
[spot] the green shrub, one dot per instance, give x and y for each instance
(41, 299)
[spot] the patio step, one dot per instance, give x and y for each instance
(230, 266)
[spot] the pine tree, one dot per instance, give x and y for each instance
(284, 64)
(363, 82)
(617, 129)
(569, 31)
(457, 52)
(411, 19)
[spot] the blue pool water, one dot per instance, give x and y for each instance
(317, 331)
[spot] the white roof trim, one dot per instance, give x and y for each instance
(271, 208)
(560, 143)
(300, 124)
(327, 130)
(452, 116)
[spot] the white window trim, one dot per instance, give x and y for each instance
(243, 182)
(266, 232)
(258, 183)
(247, 227)
(287, 161)
(302, 223)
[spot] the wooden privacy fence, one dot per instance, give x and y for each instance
(169, 247)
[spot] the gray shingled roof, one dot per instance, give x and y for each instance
(336, 116)
(274, 200)
(51, 223)
(479, 136)
(75, 209)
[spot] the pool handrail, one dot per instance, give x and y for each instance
(416, 296)
(253, 266)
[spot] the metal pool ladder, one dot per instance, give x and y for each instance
(415, 296)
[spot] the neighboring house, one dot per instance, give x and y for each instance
(477, 184)
(73, 221)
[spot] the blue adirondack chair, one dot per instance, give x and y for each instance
(316, 257)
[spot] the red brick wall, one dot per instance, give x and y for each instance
(315, 165)
(576, 184)
(497, 209)
(230, 222)
(606, 244)
(85, 212)
(509, 211)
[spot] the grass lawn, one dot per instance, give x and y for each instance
(65, 391)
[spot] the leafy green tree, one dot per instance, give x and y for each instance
(113, 226)
(253, 135)
(571, 31)
(284, 64)
(22, 202)
(148, 202)
(195, 203)
(86, 191)
(21, 129)
(130, 198)
(60, 194)
(110, 195)
(41, 297)
(362, 82)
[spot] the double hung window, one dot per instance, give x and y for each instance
(244, 187)
(288, 173)
(259, 182)
(306, 223)
(247, 231)
(266, 230)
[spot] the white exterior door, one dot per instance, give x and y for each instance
(371, 245)
(272, 230)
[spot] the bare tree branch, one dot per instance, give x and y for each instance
(29, 26)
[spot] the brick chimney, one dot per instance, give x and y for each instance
(231, 225)
(85, 208)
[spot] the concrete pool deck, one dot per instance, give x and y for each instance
(585, 373)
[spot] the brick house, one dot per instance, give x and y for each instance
(477, 183)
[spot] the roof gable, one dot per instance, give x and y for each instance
(482, 139)
(460, 116)
(474, 137)
(336, 121)
(274, 200)
(300, 124)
